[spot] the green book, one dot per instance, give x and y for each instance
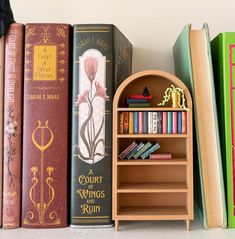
(150, 151)
(169, 122)
(142, 150)
(193, 65)
(223, 56)
(101, 61)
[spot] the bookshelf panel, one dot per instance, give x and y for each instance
(151, 174)
(173, 161)
(148, 187)
(151, 199)
(151, 109)
(175, 146)
(152, 135)
(152, 213)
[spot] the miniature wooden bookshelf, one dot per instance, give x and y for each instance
(152, 189)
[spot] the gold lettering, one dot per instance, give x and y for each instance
(89, 209)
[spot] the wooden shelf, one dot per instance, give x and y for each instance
(152, 212)
(152, 109)
(155, 187)
(152, 189)
(176, 161)
(152, 135)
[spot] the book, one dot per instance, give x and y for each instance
(144, 100)
(169, 122)
(141, 97)
(127, 150)
(101, 61)
(152, 149)
(125, 122)
(150, 122)
(192, 58)
(160, 156)
(159, 122)
(136, 127)
(223, 48)
(139, 105)
(140, 122)
(154, 123)
(145, 123)
(131, 122)
(184, 122)
(164, 123)
(45, 126)
(136, 149)
(142, 150)
(179, 122)
(174, 122)
(12, 137)
(2, 62)
(121, 122)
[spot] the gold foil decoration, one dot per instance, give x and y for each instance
(42, 182)
(176, 94)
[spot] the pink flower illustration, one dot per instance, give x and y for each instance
(101, 91)
(91, 66)
(82, 98)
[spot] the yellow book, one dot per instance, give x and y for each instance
(131, 122)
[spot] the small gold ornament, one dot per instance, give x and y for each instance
(176, 94)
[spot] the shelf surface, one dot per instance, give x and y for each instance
(152, 212)
(152, 135)
(150, 187)
(151, 109)
(175, 161)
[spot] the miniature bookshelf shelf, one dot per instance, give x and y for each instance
(152, 136)
(152, 162)
(151, 109)
(152, 189)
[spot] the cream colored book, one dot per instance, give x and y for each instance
(193, 65)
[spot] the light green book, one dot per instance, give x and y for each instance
(223, 56)
(193, 65)
(142, 150)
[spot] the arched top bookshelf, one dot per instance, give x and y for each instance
(156, 81)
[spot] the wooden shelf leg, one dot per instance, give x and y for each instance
(117, 225)
(187, 224)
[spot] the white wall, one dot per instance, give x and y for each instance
(151, 25)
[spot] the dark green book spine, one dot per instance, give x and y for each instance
(95, 72)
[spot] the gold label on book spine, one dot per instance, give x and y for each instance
(44, 67)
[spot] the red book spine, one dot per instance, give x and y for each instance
(2, 57)
(141, 122)
(184, 122)
(164, 123)
(121, 122)
(45, 131)
(12, 126)
(126, 123)
(175, 123)
(160, 156)
(141, 97)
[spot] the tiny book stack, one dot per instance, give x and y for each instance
(101, 61)
(142, 150)
(193, 65)
(139, 101)
(45, 126)
(223, 56)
